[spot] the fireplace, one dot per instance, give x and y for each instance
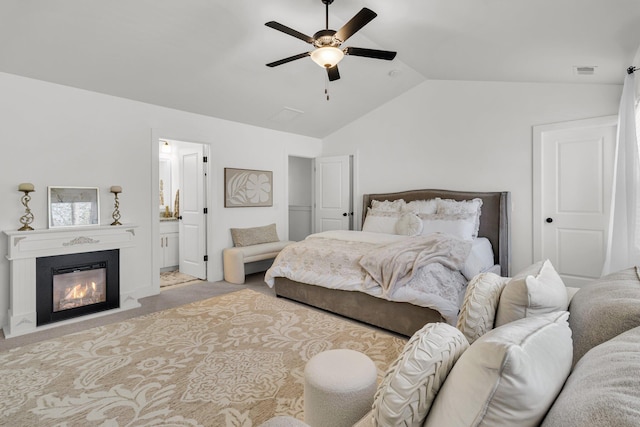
(78, 284)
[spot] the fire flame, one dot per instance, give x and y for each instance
(79, 291)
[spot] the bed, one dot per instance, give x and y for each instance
(404, 318)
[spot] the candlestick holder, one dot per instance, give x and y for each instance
(27, 218)
(116, 210)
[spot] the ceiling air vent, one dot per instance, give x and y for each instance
(286, 115)
(584, 70)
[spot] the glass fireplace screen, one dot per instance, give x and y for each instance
(79, 286)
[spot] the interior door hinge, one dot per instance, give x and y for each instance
(206, 210)
(206, 257)
(205, 159)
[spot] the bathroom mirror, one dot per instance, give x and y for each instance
(165, 187)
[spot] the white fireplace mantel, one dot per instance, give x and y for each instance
(25, 246)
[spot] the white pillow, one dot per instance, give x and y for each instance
(412, 382)
(461, 226)
(471, 207)
(378, 221)
(478, 310)
(536, 290)
(422, 206)
(480, 258)
(508, 377)
(409, 224)
(387, 205)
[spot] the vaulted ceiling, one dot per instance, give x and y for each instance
(209, 56)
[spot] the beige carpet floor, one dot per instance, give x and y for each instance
(234, 360)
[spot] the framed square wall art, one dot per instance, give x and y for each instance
(73, 206)
(247, 188)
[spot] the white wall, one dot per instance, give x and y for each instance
(465, 136)
(56, 135)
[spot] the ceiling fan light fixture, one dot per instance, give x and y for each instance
(327, 57)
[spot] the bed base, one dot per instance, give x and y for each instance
(399, 317)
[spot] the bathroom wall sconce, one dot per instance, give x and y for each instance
(27, 218)
(116, 189)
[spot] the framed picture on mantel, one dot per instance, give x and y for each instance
(73, 206)
(247, 187)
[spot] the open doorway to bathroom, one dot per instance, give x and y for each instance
(182, 208)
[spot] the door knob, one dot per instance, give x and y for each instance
(549, 220)
(344, 214)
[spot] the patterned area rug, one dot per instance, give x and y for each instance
(174, 278)
(232, 360)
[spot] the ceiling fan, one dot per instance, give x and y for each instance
(327, 42)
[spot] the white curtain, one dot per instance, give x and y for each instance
(623, 246)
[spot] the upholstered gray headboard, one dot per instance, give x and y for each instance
(495, 222)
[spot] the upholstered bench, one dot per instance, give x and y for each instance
(235, 258)
(250, 245)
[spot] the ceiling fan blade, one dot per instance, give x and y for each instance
(333, 73)
(370, 53)
(289, 59)
(361, 19)
(278, 26)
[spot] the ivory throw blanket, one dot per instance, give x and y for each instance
(394, 264)
(333, 259)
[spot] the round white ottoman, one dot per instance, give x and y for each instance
(339, 386)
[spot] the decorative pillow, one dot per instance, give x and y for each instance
(461, 226)
(409, 224)
(536, 290)
(459, 207)
(602, 389)
(471, 207)
(422, 206)
(508, 377)
(603, 309)
(254, 235)
(378, 221)
(412, 382)
(388, 205)
(480, 303)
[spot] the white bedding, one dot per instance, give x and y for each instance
(331, 259)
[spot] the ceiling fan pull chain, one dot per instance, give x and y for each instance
(326, 87)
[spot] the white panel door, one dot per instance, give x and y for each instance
(574, 168)
(333, 204)
(192, 224)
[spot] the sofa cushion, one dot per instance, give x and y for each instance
(408, 388)
(509, 377)
(254, 235)
(536, 290)
(604, 387)
(604, 309)
(478, 310)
